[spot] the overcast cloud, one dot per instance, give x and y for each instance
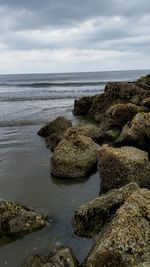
(74, 35)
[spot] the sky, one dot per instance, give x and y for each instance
(38, 36)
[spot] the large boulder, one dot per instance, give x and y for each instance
(16, 220)
(63, 258)
(75, 156)
(54, 130)
(119, 166)
(114, 93)
(89, 130)
(119, 114)
(125, 242)
(90, 218)
(137, 132)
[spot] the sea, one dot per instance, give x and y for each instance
(27, 102)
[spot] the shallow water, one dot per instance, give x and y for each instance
(25, 177)
(25, 160)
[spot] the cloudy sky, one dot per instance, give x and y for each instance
(74, 35)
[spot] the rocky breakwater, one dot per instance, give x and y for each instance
(118, 220)
(17, 220)
(119, 103)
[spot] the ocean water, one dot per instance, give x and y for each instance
(27, 102)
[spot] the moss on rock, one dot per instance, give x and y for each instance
(120, 166)
(90, 218)
(75, 156)
(125, 242)
(16, 220)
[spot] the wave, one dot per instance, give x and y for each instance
(15, 99)
(51, 95)
(4, 124)
(54, 84)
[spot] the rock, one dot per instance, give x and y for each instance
(119, 114)
(53, 140)
(82, 105)
(89, 219)
(115, 93)
(137, 133)
(54, 130)
(126, 91)
(89, 130)
(146, 102)
(16, 220)
(144, 80)
(63, 258)
(59, 125)
(75, 156)
(125, 242)
(120, 166)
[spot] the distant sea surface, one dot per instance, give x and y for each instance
(27, 102)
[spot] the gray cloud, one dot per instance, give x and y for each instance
(37, 13)
(113, 27)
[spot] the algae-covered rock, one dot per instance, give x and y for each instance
(75, 156)
(90, 218)
(82, 105)
(53, 140)
(53, 131)
(137, 132)
(119, 166)
(146, 102)
(63, 258)
(16, 220)
(59, 125)
(125, 242)
(89, 130)
(114, 93)
(144, 80)
(119, 114)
